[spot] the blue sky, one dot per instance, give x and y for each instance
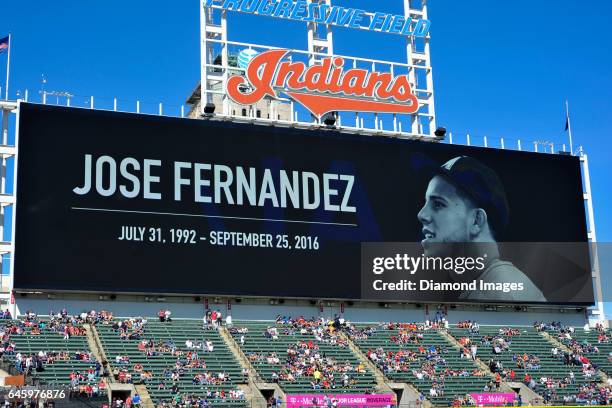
(501, 69)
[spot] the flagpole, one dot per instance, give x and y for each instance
(8, 68)
(569, 128)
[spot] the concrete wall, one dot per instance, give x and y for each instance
(261, 309)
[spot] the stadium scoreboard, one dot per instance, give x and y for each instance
(124, 203)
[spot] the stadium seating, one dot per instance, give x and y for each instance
(602, 340)
(425, 357)
(258, 348)
(31, 340)
(527, 342)
(176, 332)
(454, 376)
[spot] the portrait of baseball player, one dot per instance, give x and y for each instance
(465, 214)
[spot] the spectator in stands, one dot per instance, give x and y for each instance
(206, 321)
(495, 366)
(440, 315)
(219, 318)
(175, 388)
(213, 319)
(420, 399)
(474, 351)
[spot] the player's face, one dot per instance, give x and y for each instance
(445, 217)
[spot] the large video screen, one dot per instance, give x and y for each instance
(124, 203)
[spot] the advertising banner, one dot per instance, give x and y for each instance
(125, 203)
(343, 400)
(498, 398)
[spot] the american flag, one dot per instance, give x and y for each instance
(4, 44)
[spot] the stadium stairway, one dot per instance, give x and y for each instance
(142, 390)
(478, 361)
(529, 342)
(555, 342)
(381, 380)
(174, 335)
(93, 341)
(239, 354)
(385, 385)
(603, 374)
(252, 391)
(95, 345)
(605, 348)
(562, 346)
(527, 394)
(381, 341)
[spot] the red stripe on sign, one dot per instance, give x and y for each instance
(320, 104)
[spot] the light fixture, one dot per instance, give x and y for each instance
(329, 119)
(440, 132)
(209, 108)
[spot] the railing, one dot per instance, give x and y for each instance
(103, 103)
(175, 110)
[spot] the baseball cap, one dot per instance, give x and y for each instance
(482, 185)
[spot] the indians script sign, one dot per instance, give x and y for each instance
(323, 87)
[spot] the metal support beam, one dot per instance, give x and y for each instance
(320, 40)
(598, 309)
